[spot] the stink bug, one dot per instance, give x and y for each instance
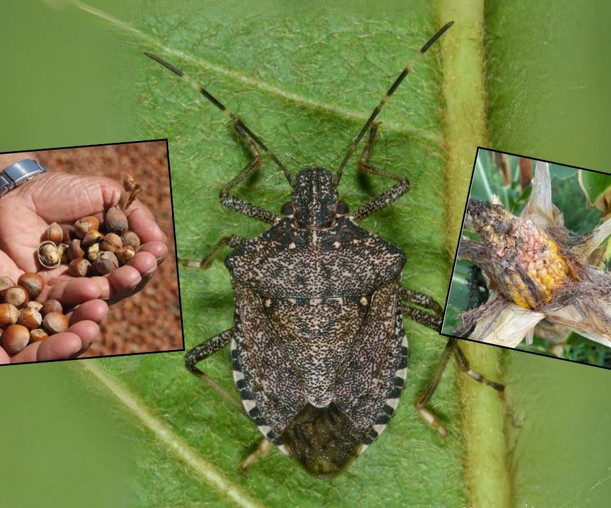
(318, 347)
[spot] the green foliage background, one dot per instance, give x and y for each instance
(305, 77)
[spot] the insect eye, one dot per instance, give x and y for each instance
(287, 209)
(342, 208)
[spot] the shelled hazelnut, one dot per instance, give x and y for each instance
(90, 247)
(24, 320)
(55, 322)
(15, 338)
(16, 296)
(5, 282)
(48, 254)
(33, 284)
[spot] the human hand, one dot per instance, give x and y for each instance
(83, 330)
(27, 211)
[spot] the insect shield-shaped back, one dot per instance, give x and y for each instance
(319, 352)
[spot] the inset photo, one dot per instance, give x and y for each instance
(87, 253)
(532, 264)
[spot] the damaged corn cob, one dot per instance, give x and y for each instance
(537, 269)
(523, 262)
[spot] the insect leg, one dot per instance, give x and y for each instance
(237, 204)
(452, 348)
(424, 398)
(463, 365)
(206, 261)
(429, 319)
(387, 197)
(264, 447)
(203, 351)
(218, 104)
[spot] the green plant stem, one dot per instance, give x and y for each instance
(486, 471)
(465, 112)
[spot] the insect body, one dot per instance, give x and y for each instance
(318, 347)
(319, 352)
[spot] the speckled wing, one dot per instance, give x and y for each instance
(373, 374)
(319, 371)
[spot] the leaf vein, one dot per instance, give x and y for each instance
(295, 98)
(210, 474)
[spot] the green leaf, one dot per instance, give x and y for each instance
(304, 76)
(597, 189)
(306, 94)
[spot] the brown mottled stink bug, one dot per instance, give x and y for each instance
(318, 347)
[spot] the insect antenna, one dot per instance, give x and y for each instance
(199, 88)
(391, 90)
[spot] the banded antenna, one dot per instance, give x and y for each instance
(235, 119)
(391, 90)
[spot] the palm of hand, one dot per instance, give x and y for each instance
(25, 214)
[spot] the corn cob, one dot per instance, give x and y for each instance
(524, 263)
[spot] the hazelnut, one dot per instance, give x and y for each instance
(51, 306)
(131, 238)
(33, 284)
(106, 263)
(8, 314)
(86, 224)
(92, 236)
(48, 255)
(30, 318)
(68, 233)
(79, 267)
(54, 233)
(5, 282)
(112, 242)
(125, 253)
(116, 221)
(38, 335)
(75, 250)
(17, 296)
(15, 338)
(55, 322)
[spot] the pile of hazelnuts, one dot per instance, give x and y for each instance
(24, 320)
(89, 247)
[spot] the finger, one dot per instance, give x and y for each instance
(75, 290)
(157, 249)
(122, 281)
(94, 310)
(143, 223)
(4, 357)
(144, 262)
(28, 354)
(88, 331)
(59, 347)
(127, 279)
